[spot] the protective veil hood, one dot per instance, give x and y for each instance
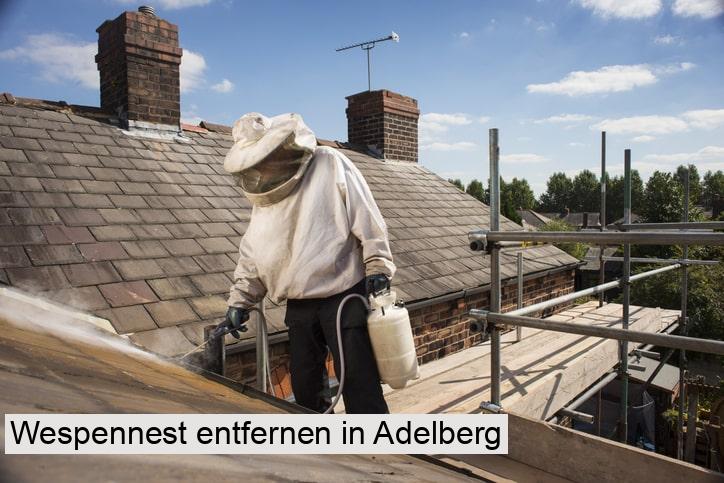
(269, 155)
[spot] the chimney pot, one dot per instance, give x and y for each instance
(147, 10)
(384, 121)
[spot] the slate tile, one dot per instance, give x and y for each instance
(72, 172)
(169, 190)
(218, 229)
(173, 288)
(131, 188)
(216, 245)
(21, 235)
(44, 200)
(193, 202)
(136, 175)
(108, 174)
(216, 263)
(130, 319)
(220, 215)
(153, 232)
(53, 254)
(24, 184)
(101, 187)
(196, 190)
(11, 257)
(222, 202)
(189, 215)
(12, 199)
(37, 279)
(30, 132)
(66, 136)
(183, 247)
(114, 162)
(138, 269)
(171, 312)
(185, 230)
(80, 216)
(61, 234)
(99, 251)
(82, 298)
(19, 143)
(97, 139)
(85, 200)
(167, 341)
(112, 232)
(156, 216)
(85, 148)
(31, 169)
(62, 185)
(58, 146)
(83, 274)
(210, 306)
(129, 201)
(77, 159)
(177, 159)
(33, 216)
(174, 178)
(178, 266)
(162, 202)
(119, 216)
(211, 283)
(127, 293)
(145, 249)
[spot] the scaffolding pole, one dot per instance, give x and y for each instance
(262, 349)
(683, 326)
(685, 225)
(519, 298)
(486, 239)
(602, 218)
(664, 261)
(626, 286)
(494, 187)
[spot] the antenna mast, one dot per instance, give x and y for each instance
(367, 46)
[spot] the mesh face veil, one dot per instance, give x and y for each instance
(275, 170)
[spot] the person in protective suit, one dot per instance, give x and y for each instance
(315, 236)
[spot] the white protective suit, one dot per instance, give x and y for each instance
(322, 237)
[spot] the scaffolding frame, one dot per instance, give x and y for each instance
(684, 234)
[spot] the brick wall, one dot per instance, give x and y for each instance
(439, 329)
(138, 59)
(386, 121)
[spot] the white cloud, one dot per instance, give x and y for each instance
(60, 58)
(709, 157)
(463, 35)
(642, 125)
(523, 158)
(224, 86)
(456, 119)
(576, 144)
(611, 78)
(564, 119)
(192, 70)
(626, 9)
(172, 4)
(484, 119)
(705, 118)
(643, 139)
(440, 146)
(667, 40)
(698, 8)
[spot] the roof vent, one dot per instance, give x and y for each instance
(145, 9)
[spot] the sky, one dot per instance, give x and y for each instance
(549, 74)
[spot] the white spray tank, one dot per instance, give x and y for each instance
(390, 332)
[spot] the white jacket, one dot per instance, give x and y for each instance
(321, 239)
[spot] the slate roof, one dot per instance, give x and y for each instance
(532, 218)
(144, 232)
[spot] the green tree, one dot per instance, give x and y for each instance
(476, 190)
(713, 187)
(694, 182)
(457, 183)
(558, 193)
(586, 192)
(614, 196)
(662, 199)
(522, 197)
(576, 249)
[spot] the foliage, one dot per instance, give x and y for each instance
(586, 192)
(694, 181)
(513, 196)
(476, 190)
(557, 197)
(712, 187)
(457, 183)
(614, 196)
(577, 250)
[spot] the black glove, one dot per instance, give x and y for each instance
(234, 322)
(376, 284)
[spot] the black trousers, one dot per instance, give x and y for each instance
(312, 332)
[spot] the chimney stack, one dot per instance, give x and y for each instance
(139, 59)
(385, 121)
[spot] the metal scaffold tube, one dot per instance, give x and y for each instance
(663, 261)
(597, 237)
(709, 346)
(602, 218)
(494, 266)
(519, 298)
(626, 285)
(684, 225)
(683, 327)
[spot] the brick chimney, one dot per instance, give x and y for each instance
(138, 59)
(385, 121)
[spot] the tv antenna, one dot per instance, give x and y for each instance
(367, 46)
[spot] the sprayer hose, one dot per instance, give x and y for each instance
(341, 374)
